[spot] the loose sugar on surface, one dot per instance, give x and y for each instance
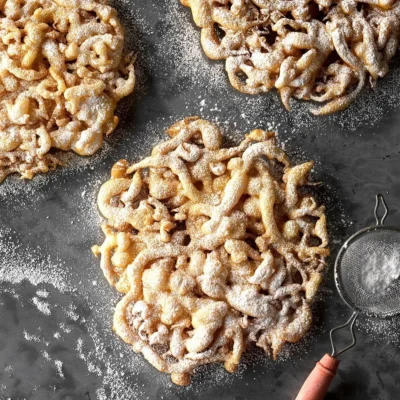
(107, 357)
(59, 366)
(13, 187)
(175, 34)
(42, 306)
(35, 338)
(44, 294)
(117, 373)
(31, 264)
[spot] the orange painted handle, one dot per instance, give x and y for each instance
(317, 383)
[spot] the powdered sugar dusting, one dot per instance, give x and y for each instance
(43, 293)
(42, 306)
(19, 264)
(35, 338)
(59, 365)
(116, 371)
(13, 186)
(380, 271)
(175, 40)
(187, 54)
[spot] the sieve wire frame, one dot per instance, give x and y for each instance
(339, 257)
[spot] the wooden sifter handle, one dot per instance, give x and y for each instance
(317, 383)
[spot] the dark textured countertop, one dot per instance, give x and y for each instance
(58, 344)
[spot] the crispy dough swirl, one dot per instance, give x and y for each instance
(214, 248)
(62, 72)
(321, 50)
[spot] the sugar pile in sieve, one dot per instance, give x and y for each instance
(381, 269)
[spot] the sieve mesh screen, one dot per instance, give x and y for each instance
(368, 269)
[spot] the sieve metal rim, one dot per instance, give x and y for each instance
(342, 251)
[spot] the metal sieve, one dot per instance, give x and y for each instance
(350, 269)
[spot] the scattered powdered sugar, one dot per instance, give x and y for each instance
(116, 384)
(178, 36)
(59, 365)
(380, 330)
(42, 306)
(72, 315)
(380, 271)
(44, 294)
(65, 328)
(183, 43)
(19, 264)
(173, 34)
(13, 186)
(35, 338)
(170, 47)
(117, 373)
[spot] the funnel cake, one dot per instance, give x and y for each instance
(62, 73)
(213, 248)
(320, 50)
